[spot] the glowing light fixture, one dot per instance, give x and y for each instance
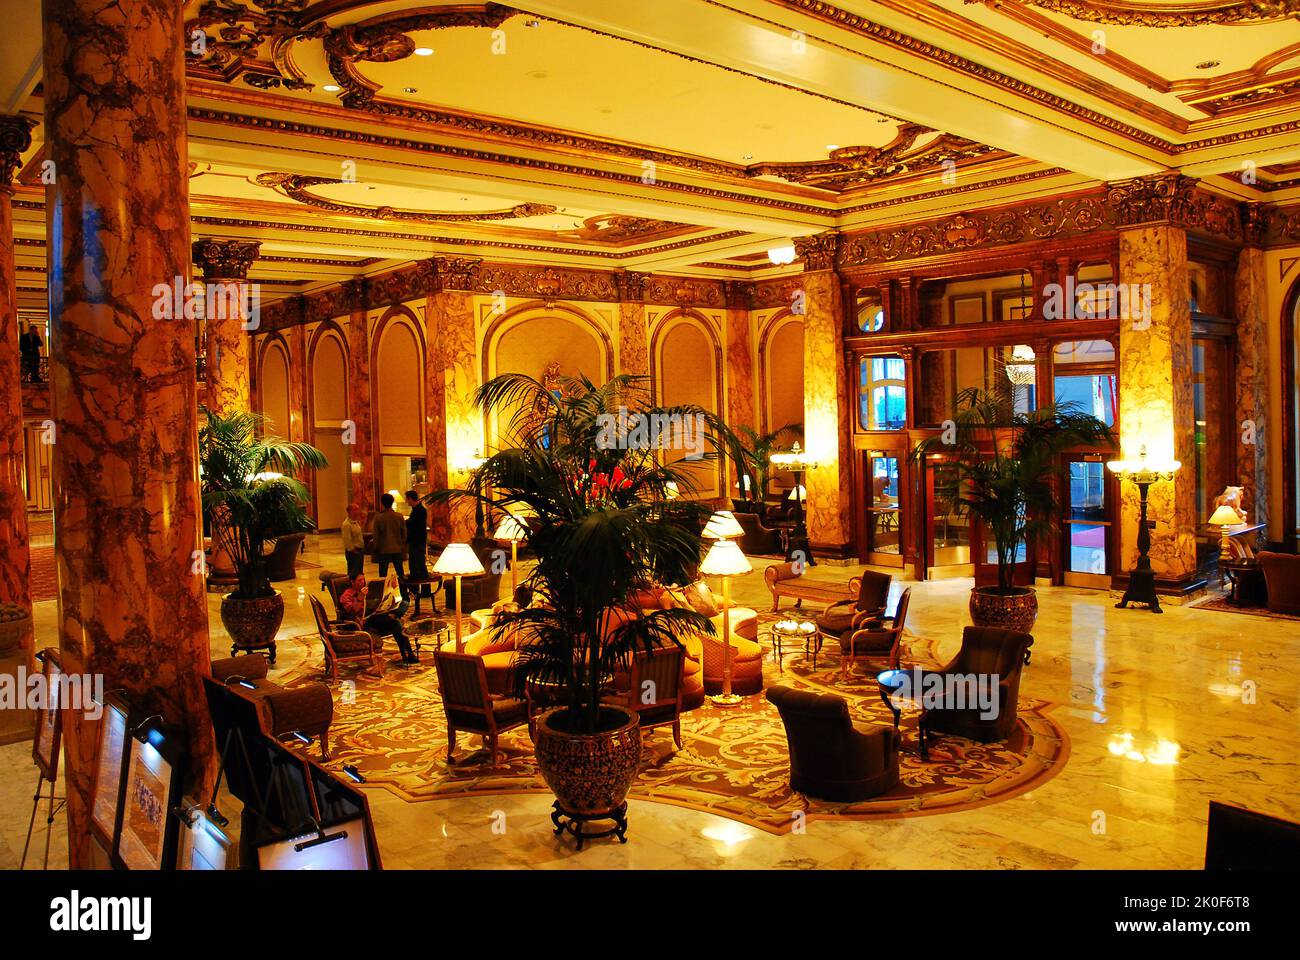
(782, 255)
(458, 560)
(723, 525)
(1143, 472)
(512, 530)
(1020, 367)
(331, 88)
(424, 51)
(725, 560)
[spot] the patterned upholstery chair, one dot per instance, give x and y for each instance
(985, 651)
(876, 636)
(470, 708)
(746, 654)
(758, 540)
(345, 642)
(308, 709)
(845, 616)
(831, 757)
(1282, 577)
(662, 671)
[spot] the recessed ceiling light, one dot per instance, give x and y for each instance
(409, 90)
(532, 23)
(748, 156)
(832, 146)
(1207, 64)
(331, 88)
(424, 51)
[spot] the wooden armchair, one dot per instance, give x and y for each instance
(875, 636)
(462, 680)
(344, 642)
(661, 673)
(845, 616)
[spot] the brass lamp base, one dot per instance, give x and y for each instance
(726, 699)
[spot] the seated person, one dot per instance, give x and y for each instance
(386, 619)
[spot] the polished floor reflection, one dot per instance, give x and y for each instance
(1165, 713)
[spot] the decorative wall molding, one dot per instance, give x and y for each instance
(297, 187)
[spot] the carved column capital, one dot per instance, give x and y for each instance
(631, 285)
(15, 139)
(1159, 198)
(225, 259)
(1254, 223)
(354, 294)
(818, 251)
(455, 273)
(739, 294)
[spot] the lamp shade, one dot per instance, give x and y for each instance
(458, 559)
(798, 492)
(725, 559)
(723, 525)
(511, 529)
(1225, 516)
(671, 490)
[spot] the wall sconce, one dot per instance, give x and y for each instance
(357, 467)
(782, 254)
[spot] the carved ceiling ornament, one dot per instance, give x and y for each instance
(1135, 13)
(295, 187)
(15, 140)
(617, 228)
(233, 35)
(225, 259)
(849, 167)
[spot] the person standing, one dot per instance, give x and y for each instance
(390, 538)
(29, 349)
(417, 536)
(354, 541)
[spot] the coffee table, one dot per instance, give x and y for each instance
(428, 629)
(796, 631)
(892, 684)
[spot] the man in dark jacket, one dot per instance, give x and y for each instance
(390, 538)
(417, 536)
(29, 348)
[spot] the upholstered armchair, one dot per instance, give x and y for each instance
(307, 709)
(470, 708)
(344, 642)
(1282, 577)
(845, 616)
(985, 652)
(661, 672)
(831, 757)
(877, 636)
(282, 559)
(757, 539)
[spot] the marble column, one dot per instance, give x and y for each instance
(361, 466)
(227, 301)
(825, 403)
(1250, 299)
(1155, 388)
(454, 425)
(633, 334)
(15, 559)
(132, 606)
(740, 407)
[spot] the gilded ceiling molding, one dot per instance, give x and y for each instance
(1134, 13)
(849, 167)
(296, 128)
(960, 188)
(1251, 98)
(15, 140)
(295, 187)
(233, 49)
(224, 259)
(818, 252)
(829, 13)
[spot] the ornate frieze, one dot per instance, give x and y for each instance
(15, 139)
(224, 259)
(781, 292)
(1129, 13)
(739, 294)
(457, 273)
(548, 283)
(685, 291)
(296, 187)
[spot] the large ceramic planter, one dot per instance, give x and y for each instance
(15, 627)
(252, 624)
(590, 774)
(1015, 611)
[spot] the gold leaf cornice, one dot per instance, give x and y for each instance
(1192, 14)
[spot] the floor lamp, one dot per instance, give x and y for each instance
(1142, 579)
(725, 560)
(512, 530)
(797, 462)
(458, 560)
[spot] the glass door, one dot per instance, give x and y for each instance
(947, 533)
(884, 513)
(1087, 525)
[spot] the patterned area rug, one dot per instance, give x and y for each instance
(1222, 605)
(43, 580)
(734, 762)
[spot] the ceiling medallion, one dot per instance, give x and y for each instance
(616, 228)
(1145, 13)
(849, 167)
(295, 187)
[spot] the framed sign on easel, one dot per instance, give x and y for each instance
(111, 743)
(155, 763)
(203, 845)
(47, 743)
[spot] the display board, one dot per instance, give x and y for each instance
(147, 833)
(342, 847)
(202, 845)
(110, 762)
(47, 741)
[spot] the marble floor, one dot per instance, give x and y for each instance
(1165, 713)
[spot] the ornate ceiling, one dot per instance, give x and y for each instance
(350, 136)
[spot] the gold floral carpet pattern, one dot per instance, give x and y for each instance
(734, 762)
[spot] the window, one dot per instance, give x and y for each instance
(882, 393)
(1085, 377)
(870, 310)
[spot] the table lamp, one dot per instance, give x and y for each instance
(458, 560)
(511, 529)
(723, 525)
(1223, 518)
(725, 560)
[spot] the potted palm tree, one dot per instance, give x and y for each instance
(251, 495)
(751, 452)
(602, 525)
(1006, 467)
